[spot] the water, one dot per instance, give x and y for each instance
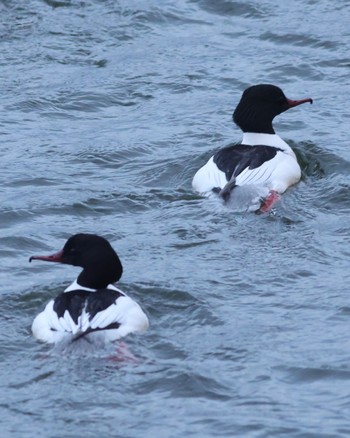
(107, 110)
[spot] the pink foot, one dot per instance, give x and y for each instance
(123, 354)
(269, 202)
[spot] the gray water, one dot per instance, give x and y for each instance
(107, 110)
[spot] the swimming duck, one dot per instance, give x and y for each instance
(263, 163)
(91, 308)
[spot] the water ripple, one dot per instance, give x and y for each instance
(108, 110)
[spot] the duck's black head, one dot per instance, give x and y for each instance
(100, 263)
(259, 105)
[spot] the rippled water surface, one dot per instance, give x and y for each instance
(107, 110)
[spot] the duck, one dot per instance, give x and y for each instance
(92, 308)
(263, 165)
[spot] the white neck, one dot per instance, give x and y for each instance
(254, 138)
(76, 286)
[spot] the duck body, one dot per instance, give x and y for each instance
(263, 163)
(102, 315)
(89, 309)
(261, 159)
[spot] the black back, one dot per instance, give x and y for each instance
(233, 159)
(75, 301)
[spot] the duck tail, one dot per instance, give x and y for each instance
(225, 192)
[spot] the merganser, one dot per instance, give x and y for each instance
(91, 308)
(263, 163)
